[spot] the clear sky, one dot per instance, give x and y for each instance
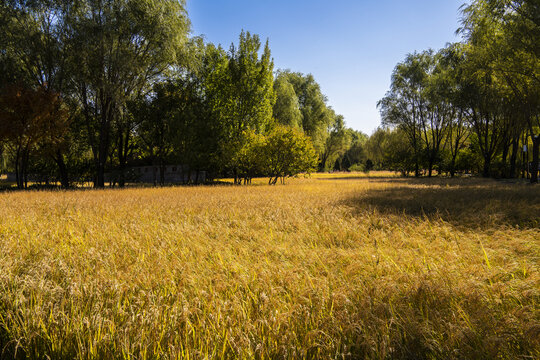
(350, 46)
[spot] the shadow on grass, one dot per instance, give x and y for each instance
(470, 203)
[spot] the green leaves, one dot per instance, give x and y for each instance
(241, 95)
(287, 108)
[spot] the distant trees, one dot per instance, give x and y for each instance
(316, 116)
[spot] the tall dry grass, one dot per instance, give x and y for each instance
(327, 267)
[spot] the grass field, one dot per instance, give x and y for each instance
(339, 266)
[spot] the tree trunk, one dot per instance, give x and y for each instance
(235, 173)
(161, 173)
(513, 156)
(506, 150)
(104, 138)
(62, 170)
(487, 166)
(122, 175)
(26, 155)
(534, 164)
(102, 159)
(123, 153)
(18, 168)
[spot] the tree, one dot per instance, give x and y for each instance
(241, 96)
(317, 118)
(452, 59)
(286, 109)
(29, 117)
(398, 155)
(156, 127)
(36, 53)
(120, 49)
(337, 143)
(505, 35)
(356, 151)
(405, 105)
(251, 157)
(287, 152)
(440, 109)
(375, 147)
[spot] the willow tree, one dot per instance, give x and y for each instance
(35, 52)
(286, 109)
(452, 58)
(120, 48)
(505, 36)
(406, 105)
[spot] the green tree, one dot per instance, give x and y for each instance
(286, 109)
(251, 157)
(36, 52)
(356, 151)
(317, 118)
(503, 36)
(241, 95)
(120, 48)
(337, 143)
(406, 105)
(287, 152)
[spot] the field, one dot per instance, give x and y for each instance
(335, 266)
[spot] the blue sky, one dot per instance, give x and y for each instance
(350, 47)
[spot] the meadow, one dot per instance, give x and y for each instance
(328, 267)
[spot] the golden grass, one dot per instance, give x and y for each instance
(326, 267)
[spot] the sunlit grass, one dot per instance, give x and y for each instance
(324, 267)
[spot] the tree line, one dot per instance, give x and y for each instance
(90, 88)
(472, 106)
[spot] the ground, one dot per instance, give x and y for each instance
(333, 266)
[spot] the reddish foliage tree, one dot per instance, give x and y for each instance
(29, 118)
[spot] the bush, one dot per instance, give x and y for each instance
(287, 152)
(358, 167)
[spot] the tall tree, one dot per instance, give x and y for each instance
(286, 109)
(506, 35)
(120, 48)
(452, 59)
(317, 118)
(405, 105)
(36, 53)
(241, 95)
